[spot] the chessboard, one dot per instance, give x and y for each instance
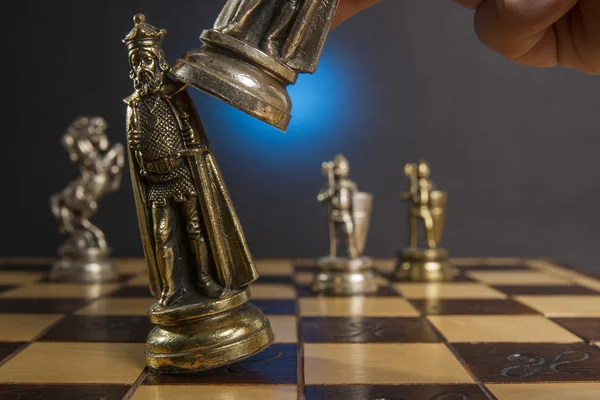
(506, 329)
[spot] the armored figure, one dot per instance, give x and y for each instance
(84, 255)
(194, 246)
(349, 213)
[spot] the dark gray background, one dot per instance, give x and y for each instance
(515, 147)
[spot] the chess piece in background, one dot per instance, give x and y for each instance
(255, 49)
(198, 262)
(428, 209)
(84, 255)
(349, 213)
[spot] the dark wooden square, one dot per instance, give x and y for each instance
(395, 392)
(531, 362)
(132, 291)
(26, 267)
(99, 328)
(515, 290)
(382, 291)
(276, 307)
(366, 330)
(275, 365)
(7, 348)
(282, 279)
(586, 328)
(62, 392)
(471, 306)
(4, 288)
(41, 305)
(306, 268)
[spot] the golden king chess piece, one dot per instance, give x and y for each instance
(198, 262)
(428, 207)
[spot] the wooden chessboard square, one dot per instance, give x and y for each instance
(531, 362)
(20, 277)
(276, 307)
(277, 365)
(385, 266)
(22, 327)
(132, 291)
(308, 268)
(139, 280)
(130, 265)
(39, 267)
(41, 305)
(382, 291)
(269, 267)
(518, 278)
(515, 290)
(50, 362)
(99, 328)
(303, 278)
(500, 328)
(356, 306)
(381, 364)
(118, 306)
(494, 267)
(473, 306)
(221, 392)
(564, 306)
(366, 330)
(4, 288)
(59, 291)
(7, 348)
(412, 392)
(263, 291)
(271, 279)
(63, 392)
(546, 391)
(586, 328)
(448, 290)
(284, 328)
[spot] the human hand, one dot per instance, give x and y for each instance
(348, 8)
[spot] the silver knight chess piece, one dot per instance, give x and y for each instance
(349, 214)
(428, 207)
(84, 255)
(255, 49)
(198, 262)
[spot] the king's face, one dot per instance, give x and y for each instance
(146, 75)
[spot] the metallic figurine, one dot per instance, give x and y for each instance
(198, 261)
(428, 206)
(256, 49)
(349, 215)
(84, 255)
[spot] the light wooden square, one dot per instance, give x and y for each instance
(284, 328)
(24, 327)
(268, 291)
(563, 306)
(118, 306)
(546, 391)
(385, 265)
(304, 278)
(72, 362)
(381, 363)
(448, 290)
(130, 265)
(139, 280)
(527, 278)
(59, 291)
(18, 278)
(501, 328)
(268, 267)
(356, 306)
(201, 392)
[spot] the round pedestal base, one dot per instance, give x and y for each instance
(209, 341)
(344, 277)
(424, 265)
(78, 266)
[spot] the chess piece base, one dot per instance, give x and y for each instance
(234, 72)
(423, 265)
(203, 336)
(343, 276)
(88, 265)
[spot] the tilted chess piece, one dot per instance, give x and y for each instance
(84, 255)
(198, 261)
(428, 206)
(349, 213)
(255, 49)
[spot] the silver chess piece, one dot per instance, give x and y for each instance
(255, 49)
(349, 214)
(84, 255)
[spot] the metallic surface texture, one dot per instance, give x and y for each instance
(198, 262)
(349, 214)
(84, 255)
(255, 49)
(427, 205)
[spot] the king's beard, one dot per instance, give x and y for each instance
(148, 82)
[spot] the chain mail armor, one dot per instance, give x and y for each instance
(160, 139)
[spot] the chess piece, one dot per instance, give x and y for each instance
(255, 49)
(427, 205)
(84, 255)
(349, 213)
(198, 262)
